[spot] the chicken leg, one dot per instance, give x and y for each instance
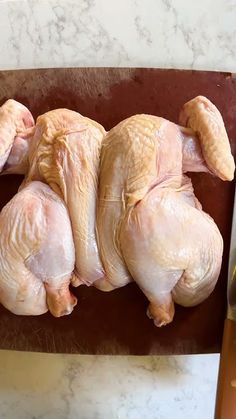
(36, 253)
(65, 153)
(172, 249)
(137, 154)
(150, 224)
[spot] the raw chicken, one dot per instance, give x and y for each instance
(65, 153)
(204, 118)
(150, 224)
(172, 249)
(36, 253)
(16, 130)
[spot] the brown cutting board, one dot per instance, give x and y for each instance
(116, 323)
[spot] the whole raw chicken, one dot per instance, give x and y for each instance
(148, 225)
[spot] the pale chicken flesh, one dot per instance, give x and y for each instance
(37, 253)
(133, 212)
(150, 224)
(65, 153)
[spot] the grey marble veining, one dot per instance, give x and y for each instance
(43, 386)
(158, 33)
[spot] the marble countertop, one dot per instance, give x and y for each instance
(151, 33)
(48, 386)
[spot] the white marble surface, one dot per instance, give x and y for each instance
(159, 33)
(37, 386)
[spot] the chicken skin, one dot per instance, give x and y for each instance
(36, 253)
(132, 213)
(16, 130)
(65, 153)
(151, 226)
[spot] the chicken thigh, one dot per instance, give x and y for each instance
(150, 224)
(65, 153)
(36, 253)
(172, 249)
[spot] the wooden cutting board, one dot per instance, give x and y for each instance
(116, 323)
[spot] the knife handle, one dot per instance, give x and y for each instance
(226, 389)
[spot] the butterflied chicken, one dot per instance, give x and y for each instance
(36, 253)
(151, 226)
(132, 208)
